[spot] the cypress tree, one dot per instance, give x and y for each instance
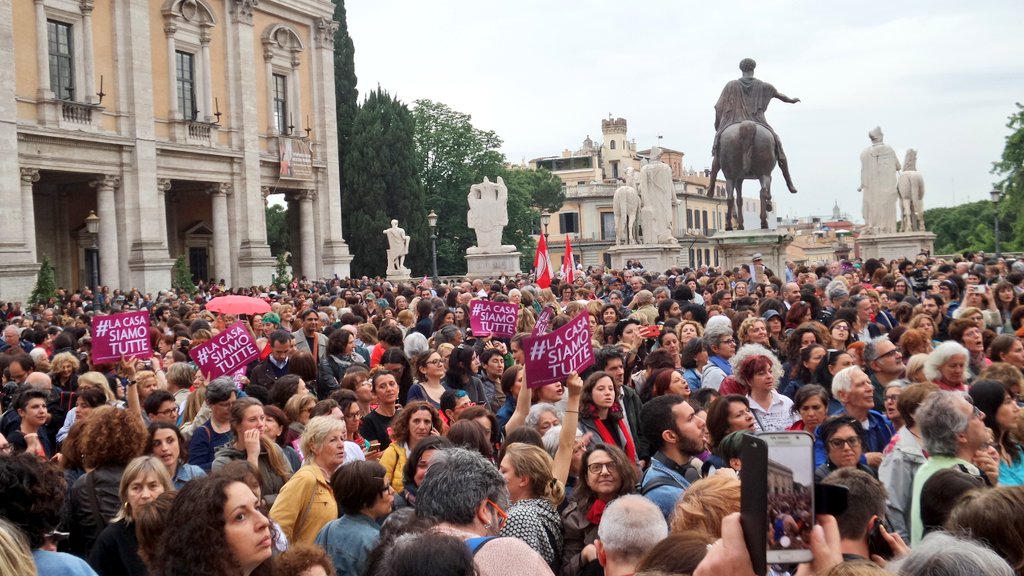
(346, 99)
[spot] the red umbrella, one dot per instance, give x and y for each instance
(238, 305)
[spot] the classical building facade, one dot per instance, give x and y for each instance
(591, 175)
(173, 121)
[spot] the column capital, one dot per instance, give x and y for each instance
(108, 181)
(305, 195)
(29, 175)
(242, 10)
(219, 189)
(266, 191)
(296, 61)
(325, 31)
(170, 29)
(163, 185)
(86, 7)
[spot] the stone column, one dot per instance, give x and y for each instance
(42, 53)
(163, 186)
(88, 59)
(172, 71)
(306, 231)
(204, 63)
(107, 213)
(29, 176)
(268, 70)
(221, 233)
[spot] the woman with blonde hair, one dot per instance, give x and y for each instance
(117, 549)
(687, 330)
(535, 494)
(15, 556)
(705, 503)
(64, 371)
(306, 503)
(915, 368)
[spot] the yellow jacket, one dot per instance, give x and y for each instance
(305, 504)
(393, 460)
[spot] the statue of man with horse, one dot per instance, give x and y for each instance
(746, 147)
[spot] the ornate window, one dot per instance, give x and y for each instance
(187, 25)
(282, 51)
(186, 84)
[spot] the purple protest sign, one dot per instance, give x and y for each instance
(552, 357)
(120, 335)
(225, 352)
(493, 318)
(543, 320)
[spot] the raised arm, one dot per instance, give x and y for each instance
(518, 417)
(131, 391)
(567, 437)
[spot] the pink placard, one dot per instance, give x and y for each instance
(552, 357)
(120, 335)
(488, 318)
(226, 352)
(542, 322)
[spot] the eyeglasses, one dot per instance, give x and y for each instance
(852, 442)
(599, 467)
(892, 352)
(502, 515)
(892, 398)
(169, 411)
(841, 327)
(436, 362)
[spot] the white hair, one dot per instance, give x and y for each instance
(843, 379)
(942, 354)
(631, 526)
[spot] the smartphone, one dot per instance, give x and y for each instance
(977, 288)
(777, 497)
(374, 445)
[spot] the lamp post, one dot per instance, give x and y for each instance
(432, 222)
(545, 219)
(92, 226)
(995, 193)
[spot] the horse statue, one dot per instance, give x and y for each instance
(910, 189)
(626, 204)
(746, 152)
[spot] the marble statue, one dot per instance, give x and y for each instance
(488, 216)
(658, 194)
(626, 204)
(398, 248)
(743, 99)
(878, 168)
(910, 188)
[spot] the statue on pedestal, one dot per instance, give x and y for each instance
(398, 248)
(910, 188)
(658, 194)
(488, 216)
(878, 168)
(626, 204)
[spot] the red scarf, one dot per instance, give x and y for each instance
(596, 511)
(606, 436)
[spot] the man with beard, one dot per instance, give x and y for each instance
(676, 435)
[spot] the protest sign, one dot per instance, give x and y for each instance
(120, 336)
(493, 318)
(552, 357)
(543, 320)
(226, 352)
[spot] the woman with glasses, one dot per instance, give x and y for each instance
(606, 474)
(1002, 416)
(535, 494)
(429, 373)
(840, 334)
(365, 498)
(167, 444)
(843, 437)
(416, 422)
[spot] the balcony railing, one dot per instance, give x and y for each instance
(77, 112)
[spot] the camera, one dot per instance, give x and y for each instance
(919, 280)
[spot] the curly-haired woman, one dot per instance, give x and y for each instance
(414, 423)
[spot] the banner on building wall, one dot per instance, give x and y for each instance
(296, 157)
(120, 336)
(552, 357)
(226, 352)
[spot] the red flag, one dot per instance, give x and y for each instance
(542, 264)
(568, 265)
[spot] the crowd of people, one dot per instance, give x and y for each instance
(376, 434)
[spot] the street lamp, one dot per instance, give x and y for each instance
(545, 219)
(995, 193)
(92, 226)
(432, 222)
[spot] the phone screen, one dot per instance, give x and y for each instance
(790, 491)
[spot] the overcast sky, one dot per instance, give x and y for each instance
(940, 76)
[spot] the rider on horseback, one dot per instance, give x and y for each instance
(747, 99)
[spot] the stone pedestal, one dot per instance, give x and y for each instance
(492, 265)
(653, 257)
(399, 275)
(737, 247)
(890, 246)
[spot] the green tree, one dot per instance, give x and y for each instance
(346, 95)
(281, 274)
(1010, 170)
(453, 155)
(46, 284)
(181, 276)
(383, 185)
(277, 229)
